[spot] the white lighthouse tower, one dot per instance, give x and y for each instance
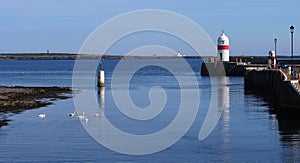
(223, 48)
(272, 59)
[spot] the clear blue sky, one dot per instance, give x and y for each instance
(63, 25)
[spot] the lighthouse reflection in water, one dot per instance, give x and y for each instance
(224, 102)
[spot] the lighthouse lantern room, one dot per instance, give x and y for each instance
(223, 48)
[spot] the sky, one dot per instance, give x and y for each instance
(63, 25)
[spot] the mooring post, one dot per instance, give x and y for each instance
(101, 76)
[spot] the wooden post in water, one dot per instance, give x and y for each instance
(101, 76)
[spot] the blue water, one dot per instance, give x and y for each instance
(246, 130)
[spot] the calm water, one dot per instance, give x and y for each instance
(245, 132)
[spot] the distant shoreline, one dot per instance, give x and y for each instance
(72, 56)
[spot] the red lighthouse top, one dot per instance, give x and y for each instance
(223, 42)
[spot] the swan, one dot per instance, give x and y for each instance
(72, 114)
(42, 115)
(83, 117)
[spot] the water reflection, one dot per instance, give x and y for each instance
(287, 123)
(223, 97)
(224, 102)
(99, 122)
(101, 100)
(289, 130)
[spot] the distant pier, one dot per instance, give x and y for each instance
(227, 68)
(224, 64)
(237, 65)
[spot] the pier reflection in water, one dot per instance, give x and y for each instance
(289, 130)
(288, 126)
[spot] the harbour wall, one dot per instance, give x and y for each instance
(219, 68)
(273, 85)
(227, 68)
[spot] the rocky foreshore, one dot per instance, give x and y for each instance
(17, 99)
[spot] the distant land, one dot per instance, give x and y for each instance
(72, 56)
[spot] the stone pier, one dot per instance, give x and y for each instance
(275, 86)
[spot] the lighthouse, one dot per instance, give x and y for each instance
(223, 48)
(272, 59)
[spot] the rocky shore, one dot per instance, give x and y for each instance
(17, 99)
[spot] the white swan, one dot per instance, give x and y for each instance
(72, 114)
(83, 117)
(42, 115)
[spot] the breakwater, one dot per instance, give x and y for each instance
(274, 85)
(227, 68)
(237, 65)
(219, 68)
